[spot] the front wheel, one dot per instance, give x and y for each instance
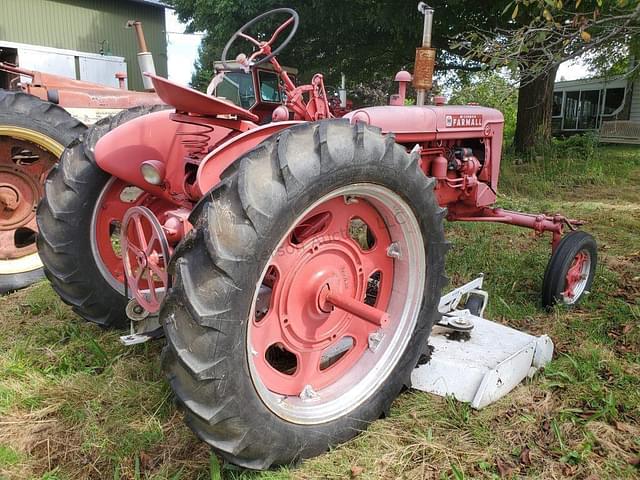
(79, 223)
(305, 296)
(570, 271)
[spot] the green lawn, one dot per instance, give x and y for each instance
(74, 403)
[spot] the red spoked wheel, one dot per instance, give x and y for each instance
(113, 203)
(145, 256)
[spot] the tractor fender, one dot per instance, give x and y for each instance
(218, 160)
(153, 137)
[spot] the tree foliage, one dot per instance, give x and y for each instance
(365, 39)
(490, 89)
(537, 35)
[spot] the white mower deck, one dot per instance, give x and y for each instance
(483, 363)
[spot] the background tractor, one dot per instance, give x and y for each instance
(40, 115)
(296, 265)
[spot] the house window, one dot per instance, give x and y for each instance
(571, 104)
(589, 101)
(613, 100)
(557, 104)
(586, 109)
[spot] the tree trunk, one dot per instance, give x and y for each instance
(535, 102)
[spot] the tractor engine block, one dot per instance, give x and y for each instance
(455, 167)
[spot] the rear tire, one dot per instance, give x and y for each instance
(239, 225)
(50, 129)
(65, 222)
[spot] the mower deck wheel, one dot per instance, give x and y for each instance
(570, 270)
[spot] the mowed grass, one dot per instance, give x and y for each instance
(74, 403)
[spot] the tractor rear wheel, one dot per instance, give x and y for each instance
(79, 225)
(305, 295)
(33, 135)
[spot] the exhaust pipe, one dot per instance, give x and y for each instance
(425, 57)
(145, 58)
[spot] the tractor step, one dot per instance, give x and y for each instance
(480, 365)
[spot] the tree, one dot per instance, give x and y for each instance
(540, 35)
(364, 39)
(369, 40)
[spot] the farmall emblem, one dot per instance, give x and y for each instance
(469, 120)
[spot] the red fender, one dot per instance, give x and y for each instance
(224, 155)
(152, 137)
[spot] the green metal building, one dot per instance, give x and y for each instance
(90, 26)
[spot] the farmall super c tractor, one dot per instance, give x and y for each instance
(295, 266)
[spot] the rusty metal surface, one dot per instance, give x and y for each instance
(71, 93)
(423, 70)
(23, 168)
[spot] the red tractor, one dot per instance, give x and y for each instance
(296, 266)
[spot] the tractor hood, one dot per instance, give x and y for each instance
(412, 121)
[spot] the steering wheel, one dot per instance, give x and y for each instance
(264, 48)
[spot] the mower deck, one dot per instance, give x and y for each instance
(480, 365)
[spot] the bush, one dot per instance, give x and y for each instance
(489, 89)
(584, 145)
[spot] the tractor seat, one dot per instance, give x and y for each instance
(188, 100)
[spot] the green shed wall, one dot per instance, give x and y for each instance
(85, 25)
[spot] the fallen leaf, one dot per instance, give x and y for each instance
(504, 468)
(146, 461)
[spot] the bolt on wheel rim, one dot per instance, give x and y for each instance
(577, 277)
(26, 156)
(336, 304)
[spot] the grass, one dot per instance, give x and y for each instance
(74, 403)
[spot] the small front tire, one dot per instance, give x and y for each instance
(570, 270)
